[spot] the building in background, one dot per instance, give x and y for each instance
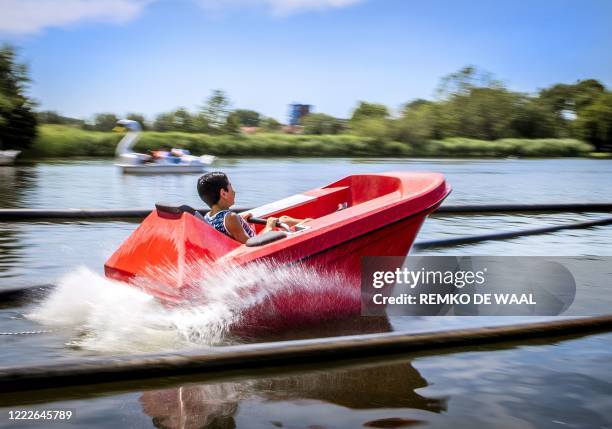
(297, 112)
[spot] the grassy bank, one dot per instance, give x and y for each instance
(62, 141)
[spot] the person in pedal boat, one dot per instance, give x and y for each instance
(217, 192)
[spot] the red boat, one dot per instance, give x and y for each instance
(359, 215)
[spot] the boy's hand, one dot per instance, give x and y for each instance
(246, 216)
(271, 222)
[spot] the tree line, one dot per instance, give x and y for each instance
(469, 103)
(214, 117)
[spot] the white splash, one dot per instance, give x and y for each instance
(112, 317)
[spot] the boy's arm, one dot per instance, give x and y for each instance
(234, 227)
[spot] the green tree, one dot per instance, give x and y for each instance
(216, 110)
(533, 120)
(366, 110)
(417, 123)
(370, 120)
(566, 101)
(105, 121)
(464, 80)
(378, 128)
(247, 118)
(182, 120)
(320, 123)
(178, 120)
(17, 120)
(594, 123)
(586, 92)
(485, 113)
(473, 104)
(570, 98)
(558, 98)
(416, 104)
(200, 123)
(164, 122)
(232, 124)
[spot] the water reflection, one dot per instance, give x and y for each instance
(543, 384)
(14, 184)
(216, 405)
(366, 387)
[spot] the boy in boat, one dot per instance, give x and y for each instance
(217, 192)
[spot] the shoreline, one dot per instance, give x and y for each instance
(56, 141)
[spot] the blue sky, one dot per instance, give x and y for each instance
(150, 56)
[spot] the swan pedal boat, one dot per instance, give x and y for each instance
(359, 215)
(140, 163)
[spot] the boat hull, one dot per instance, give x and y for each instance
(288, 308)
(392, 240)
(161, 169)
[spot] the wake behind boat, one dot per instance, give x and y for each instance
(360, 215)
(159, 162)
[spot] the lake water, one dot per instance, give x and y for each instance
(565, 383)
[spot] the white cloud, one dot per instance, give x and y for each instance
(276, 7)
(285, 7)
(32, 16)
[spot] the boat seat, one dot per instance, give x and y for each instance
(177, 210)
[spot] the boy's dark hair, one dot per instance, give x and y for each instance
(210, 185)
